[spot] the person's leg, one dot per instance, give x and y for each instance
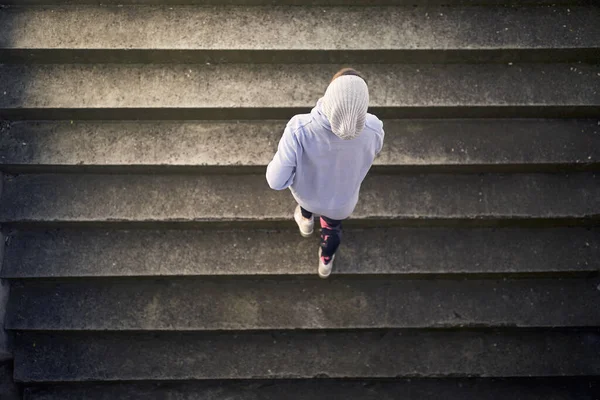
(305, 221)
(306, 214)
(331, 236)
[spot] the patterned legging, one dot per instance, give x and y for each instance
(331, 234)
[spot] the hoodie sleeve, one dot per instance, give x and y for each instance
(282, 169)
(377, 125)
(382, 137)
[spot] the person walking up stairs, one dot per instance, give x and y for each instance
(324, 156)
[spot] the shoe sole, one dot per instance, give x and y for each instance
(324, 276)
(306, 235)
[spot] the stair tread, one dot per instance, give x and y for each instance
(413, 389)
(276, 91)
(242, 144)
(180, 304)
(307, 2)
(55, 198)
(127, 356)
(270, 28)
(387, 251)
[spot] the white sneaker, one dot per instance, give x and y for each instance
(325, 269)
(306, 226)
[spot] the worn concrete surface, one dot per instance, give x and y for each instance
(297, 30)
(213, 198)
(561, 291)
(8, 388)
(391, 251)
(188, 56)
(312, 2)
(5, 353)
(412, 389)
(107, 356)
(180, 304)
(496, 142)
(268, 91)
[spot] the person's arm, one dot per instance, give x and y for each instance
(282, 169)
(381, 139)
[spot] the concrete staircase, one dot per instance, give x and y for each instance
(149, 260)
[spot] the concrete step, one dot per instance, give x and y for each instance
(8, 389)
(311, 2)
(405, 198)
(480, 145)
(127, 356)
(277, 91)
(323, 389)
(106, 34)
(400, 252)
(198, 304)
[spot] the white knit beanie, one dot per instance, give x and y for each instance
(345, 105)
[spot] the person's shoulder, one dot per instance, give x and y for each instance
(374, 124)
(298, 122)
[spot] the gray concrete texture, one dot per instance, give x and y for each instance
(196, 304)
(8, 389)
(5, 351)
(76, 253)
(299, 28)
(411, 389)
(310, 2)
(269, 56)
(212, 198)
(106, 356)
(390, 251)
(4, 292)
(465, 142)
(558, 293)
(263, 89)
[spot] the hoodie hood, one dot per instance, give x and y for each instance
(345, 105)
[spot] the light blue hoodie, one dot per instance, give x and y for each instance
(324, 172)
